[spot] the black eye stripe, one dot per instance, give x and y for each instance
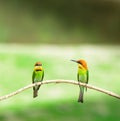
(80, 63)
(38, 65)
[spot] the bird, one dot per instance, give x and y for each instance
(82, 76)
(37, 76)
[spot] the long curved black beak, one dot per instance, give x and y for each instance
(74, 61)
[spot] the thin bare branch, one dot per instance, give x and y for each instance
(60, 81)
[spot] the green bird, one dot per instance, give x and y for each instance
(82, 76)
(38, 75)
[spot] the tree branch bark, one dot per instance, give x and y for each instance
(60, 81)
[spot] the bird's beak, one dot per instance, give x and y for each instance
(74, 61)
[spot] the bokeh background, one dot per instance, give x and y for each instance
(54, 32)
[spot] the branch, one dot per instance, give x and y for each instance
(60, 81)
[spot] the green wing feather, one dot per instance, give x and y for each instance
(42, 76)
(33, 76)
(78, 76)
(87, 76)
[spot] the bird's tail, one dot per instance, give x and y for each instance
(80, 99)
(35, 93)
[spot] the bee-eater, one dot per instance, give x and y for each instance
(38, 75)
(82, 76)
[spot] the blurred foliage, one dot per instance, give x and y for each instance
(59, 101)
(61, 21)
(98, 110)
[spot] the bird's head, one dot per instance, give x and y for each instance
(38, 66)
(81, 63)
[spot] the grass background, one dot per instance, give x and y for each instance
(58, 102)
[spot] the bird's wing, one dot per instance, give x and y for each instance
(87, 76)
(42, 76)
(78, 76)
(87, 73)
(33, 76)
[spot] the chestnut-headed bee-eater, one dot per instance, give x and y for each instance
(82, 76)
(38, 75)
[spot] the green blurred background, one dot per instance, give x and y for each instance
(54, 32)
